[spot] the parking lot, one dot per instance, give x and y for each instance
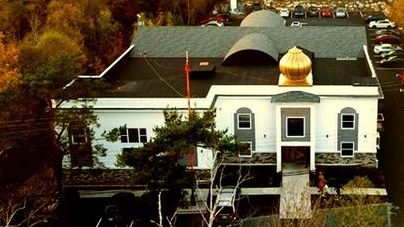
(353, 19)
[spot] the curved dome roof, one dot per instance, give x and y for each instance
(262, 18)
(295, 65)
(255, 42)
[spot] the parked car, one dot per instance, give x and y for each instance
(112, 216)
(385, 38)
(227, 17)
(385, 47)
(374, 17)
(256, 7)
(387, 31)
(296, 24)
(213, 23)
(340, 12)
(227, 205)
(392, 62)
(219, 18)
(392, 53)
(299, 11)
(326, 12)
(386, 23)
(284, 12)
(313, 11)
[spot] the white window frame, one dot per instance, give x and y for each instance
(142, 138)
(353, 148)
(78, 133)
(287, 128)
(353, 122)
(238, 120)
(246, 155)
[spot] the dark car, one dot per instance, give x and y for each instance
(387, 31)
(392, 62)
(299, 11)
(256, 7)
(386, 38)
(375, 17)
(313, 11)
(227, 17)
(326, 12)
(112, 217)
(399, 53)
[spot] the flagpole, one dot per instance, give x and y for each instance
(191, 153)
(187, 70)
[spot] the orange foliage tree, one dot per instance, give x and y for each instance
(395, 11)
(8, 59)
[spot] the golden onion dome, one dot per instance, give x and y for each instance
(295, 65)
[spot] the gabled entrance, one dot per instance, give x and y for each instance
(295, 158)
(295, 200)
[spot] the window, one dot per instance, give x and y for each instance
(133, 135)
(244, 121)
(295, 126)
(347, 149)
(348, 121)
(78, 135)
(246, 148)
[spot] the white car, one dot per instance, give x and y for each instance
(296, 24)
(226, 205)
(213, 23)
(382, 24)
(384, 48)
(284, 12)
(340, 12)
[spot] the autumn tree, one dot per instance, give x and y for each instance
(31, 149)
(8, 64)
(395, 12)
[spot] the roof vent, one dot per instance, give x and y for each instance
(202, 70)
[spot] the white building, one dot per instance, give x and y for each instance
(297, 95)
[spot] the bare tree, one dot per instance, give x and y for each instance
(210, 205)
(24, 213)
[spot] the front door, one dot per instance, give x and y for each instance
(295, 157)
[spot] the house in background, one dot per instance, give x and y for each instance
(301, 98)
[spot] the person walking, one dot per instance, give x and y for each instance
(321, 183)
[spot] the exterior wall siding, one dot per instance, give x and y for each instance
(245, 134)
(328, 136)
(348, 135)
(321, 121)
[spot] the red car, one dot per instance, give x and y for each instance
(221, 18)
(387, 38)
(326, 12)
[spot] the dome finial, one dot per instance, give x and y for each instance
(295, 66)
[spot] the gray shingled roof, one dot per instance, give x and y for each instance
(295, 96)
(216, 42)
(263, 18)
(255, 41)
